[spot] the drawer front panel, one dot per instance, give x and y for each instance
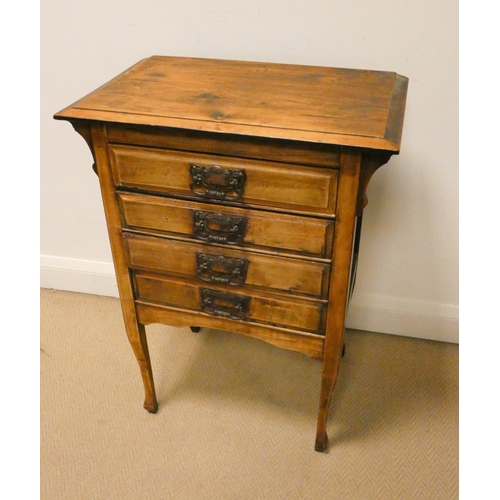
(209, 177)
(250, 228)
(243, 306)
(211, 265)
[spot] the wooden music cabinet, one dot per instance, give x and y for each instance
(233, 194)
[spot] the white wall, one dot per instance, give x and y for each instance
(408, 272)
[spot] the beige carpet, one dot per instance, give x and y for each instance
(237, 417)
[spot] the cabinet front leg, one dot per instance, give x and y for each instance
(328, 380)
(137, 336)
(135, 331)
(348, 188)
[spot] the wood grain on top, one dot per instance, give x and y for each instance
(328, 105)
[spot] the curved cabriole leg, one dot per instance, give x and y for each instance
(137, 337)
(348, 191)
(328, 380)
(321, 441)
(150, 402)
(96, 137)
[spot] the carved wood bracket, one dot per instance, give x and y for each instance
(83, 128)
(371, 162)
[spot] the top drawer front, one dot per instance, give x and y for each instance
(210, 177)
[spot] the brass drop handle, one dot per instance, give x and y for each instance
(225, 304)
(221, 269)
(219, 228)
(217, 183)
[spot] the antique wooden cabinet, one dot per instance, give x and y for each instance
(233, 193)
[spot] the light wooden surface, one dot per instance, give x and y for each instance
(261, 169)
(329, 105)
(264, 230)
(135, 330)
(268, 184)
(237, 146)
(265, 308)
(278, 273)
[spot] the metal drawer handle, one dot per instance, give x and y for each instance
(221, 269)
(224, 304)
(217, 183)
(219, 228)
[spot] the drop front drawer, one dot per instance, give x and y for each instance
(238, 269)
(227, 225)
(307, 315)
(242, 181)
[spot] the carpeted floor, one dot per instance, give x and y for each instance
(237, 417)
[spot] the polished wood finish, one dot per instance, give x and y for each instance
(264, 231)
(265, 308)
(135, 330)
(275, 273)
(236, 146)
(269, 184)
(326, 105)
(342, 248)
(232, 192)
(285, 338)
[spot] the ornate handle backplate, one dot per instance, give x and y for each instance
(217, 183)
(221, 269)
(218, 227)
(224, 304)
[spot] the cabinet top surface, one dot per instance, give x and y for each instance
(348, 107)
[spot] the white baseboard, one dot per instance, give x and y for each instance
(409, 318)
(77, 275)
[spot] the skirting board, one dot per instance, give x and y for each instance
(408, 318)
